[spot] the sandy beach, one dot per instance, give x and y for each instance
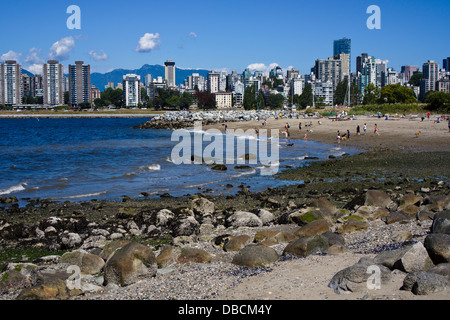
(397, 134)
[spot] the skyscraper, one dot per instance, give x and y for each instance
(131, 90)
(408, 71)
(79, 83)
(430, 76)
(53, 83)
(10, 83)
(170, 73)
(369, 73)
(213, 82)
(343, 45)
(446, 64)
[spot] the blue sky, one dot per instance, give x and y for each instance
(218, 35)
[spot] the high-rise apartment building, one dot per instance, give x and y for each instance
(408, 71)
(169, 71)
(53, 83)
(446, 64)
(430, 77)
(332, 69)
(213, 82)
(10, 83)
(369, 73)
(131, 90)
(79, 83)
(343, 45)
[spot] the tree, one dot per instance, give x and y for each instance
(205, 99)
(249, 100)
(415, 79)
(371, 94)
(306, 98)
(340, 92)
(260, 103)
(395, 93)
(275, 101)
(438, 100)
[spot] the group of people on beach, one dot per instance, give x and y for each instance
(346, 135)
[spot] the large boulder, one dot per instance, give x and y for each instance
(441, 222)
(202, 206)
(164, 217)
(305, 246)
(315, 227)
(352, 224)
(414, 258)
(304, 216)
(378, 198)
(423, 283)
(194, 255)
(438, 247)
(88, 263)
(357, 278)
(13, 280)
(50, 289)
(168, 256)
(255, 255)
(266, 217)
(244, 219)
(327, 209)
(236, 243)
(129, 264)
(185, 226)
(111, 247)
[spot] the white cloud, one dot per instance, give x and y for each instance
(192, 35)
(35, 68)
(262, 67)
(61, 49)
(98, 57)
(148, 42)
(33, 57)
(11, 55)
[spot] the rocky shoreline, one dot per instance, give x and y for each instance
(204, 247)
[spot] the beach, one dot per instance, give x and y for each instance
(396, 133)
(381, 200)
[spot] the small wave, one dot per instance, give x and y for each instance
(15, 188)
(81, 195)
(154, 167)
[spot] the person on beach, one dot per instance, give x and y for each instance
(375, 130)
(226, 128)
(358, 130)
(338, 137)
(348, 134)
(449, 124)
(365, 128)
(300, 126)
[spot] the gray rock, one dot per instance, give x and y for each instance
(266, 216)
(71, 240)
(423, 283)
(442, 268)
(131, 263)
(441, 222)
(253, 256)
(414, 258)
(305, 246)
(203, 206)
(244, 219)
(186, 226)
(355, 278)
(164, 217)
(378, 198)
(438, 247)
(389, 258)
(88, 263)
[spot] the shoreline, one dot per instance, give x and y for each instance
(87, 115)
(399, 168)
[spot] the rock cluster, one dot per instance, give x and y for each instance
(202, 234)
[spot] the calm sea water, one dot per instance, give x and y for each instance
(81, 159)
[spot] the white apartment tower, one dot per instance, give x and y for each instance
(170, 73)
(53, 83)
(131, 90)
(213, 82)
(10, 83)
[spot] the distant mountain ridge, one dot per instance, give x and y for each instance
(100, 80)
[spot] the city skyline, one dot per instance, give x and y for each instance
(241, 34)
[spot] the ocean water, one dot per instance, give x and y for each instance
(105, 158)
